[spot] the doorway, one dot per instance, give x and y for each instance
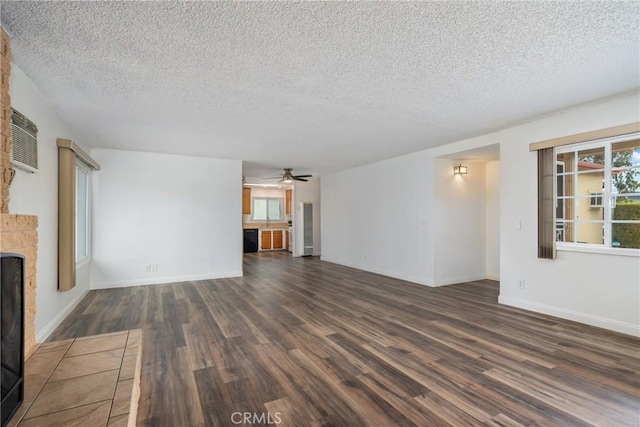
(467, 211)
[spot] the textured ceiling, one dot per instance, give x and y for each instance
(317, 86)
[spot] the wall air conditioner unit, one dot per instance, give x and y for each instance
(24, 154)
(595, 200)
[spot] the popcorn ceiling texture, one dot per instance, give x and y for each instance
(317, 86)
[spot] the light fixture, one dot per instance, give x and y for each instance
(287, 181)
(460, 170)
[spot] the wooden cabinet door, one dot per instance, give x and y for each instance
(246, 201)
(277, 239)
(287, 202)
(265, 238)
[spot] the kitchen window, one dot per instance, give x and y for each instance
(598, 194)
(267, 209)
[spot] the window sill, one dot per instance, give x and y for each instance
(82, 262)
(596, 249)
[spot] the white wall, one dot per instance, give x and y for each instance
(307, 192)
(381, 218)
(182, 213)
(377, 218)
(492, 223)
(602, 290)
(459, 212)
(37, 194)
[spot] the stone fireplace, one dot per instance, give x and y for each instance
(18, 233)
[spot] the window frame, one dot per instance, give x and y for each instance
(559, 228)
(607, 196)
(268, 219)
(81, 166)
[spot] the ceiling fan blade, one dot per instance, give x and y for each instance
(300, 179)
(303, 176)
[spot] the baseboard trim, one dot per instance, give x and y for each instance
(406, 278)
(56, 321)
(576, 316)
(163, 280)
(459, 279)
(492, 277)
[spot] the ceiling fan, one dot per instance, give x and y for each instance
(288, 177)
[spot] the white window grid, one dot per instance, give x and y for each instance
(609, 197)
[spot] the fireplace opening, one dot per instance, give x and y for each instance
(12, 334)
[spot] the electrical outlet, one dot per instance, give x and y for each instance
(520, 283)
(518, 225)
(150, 267)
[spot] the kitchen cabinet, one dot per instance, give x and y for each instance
(277, 239)
(286, 239)
(265, 239)
(287, 202)
(272, 239)
(246, 201)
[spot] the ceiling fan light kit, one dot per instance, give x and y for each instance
(288, 177)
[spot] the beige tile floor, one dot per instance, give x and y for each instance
(81, 382)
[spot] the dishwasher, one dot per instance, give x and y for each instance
(250, 240)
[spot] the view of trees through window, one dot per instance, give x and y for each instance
(598, 193)
(626, 180)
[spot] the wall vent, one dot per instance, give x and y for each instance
(25, 142)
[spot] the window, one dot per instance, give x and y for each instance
(560, 206)
(74, 166)
(267, 209)
(598, 193)
(82, 212)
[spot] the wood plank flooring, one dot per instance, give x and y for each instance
(300, 342)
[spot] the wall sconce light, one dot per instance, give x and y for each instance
(460, 170)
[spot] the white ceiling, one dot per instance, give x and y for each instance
(317, 86)
(487, 153)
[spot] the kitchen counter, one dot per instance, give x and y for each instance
(271, 225)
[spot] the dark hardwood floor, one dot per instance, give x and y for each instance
(305, 343)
